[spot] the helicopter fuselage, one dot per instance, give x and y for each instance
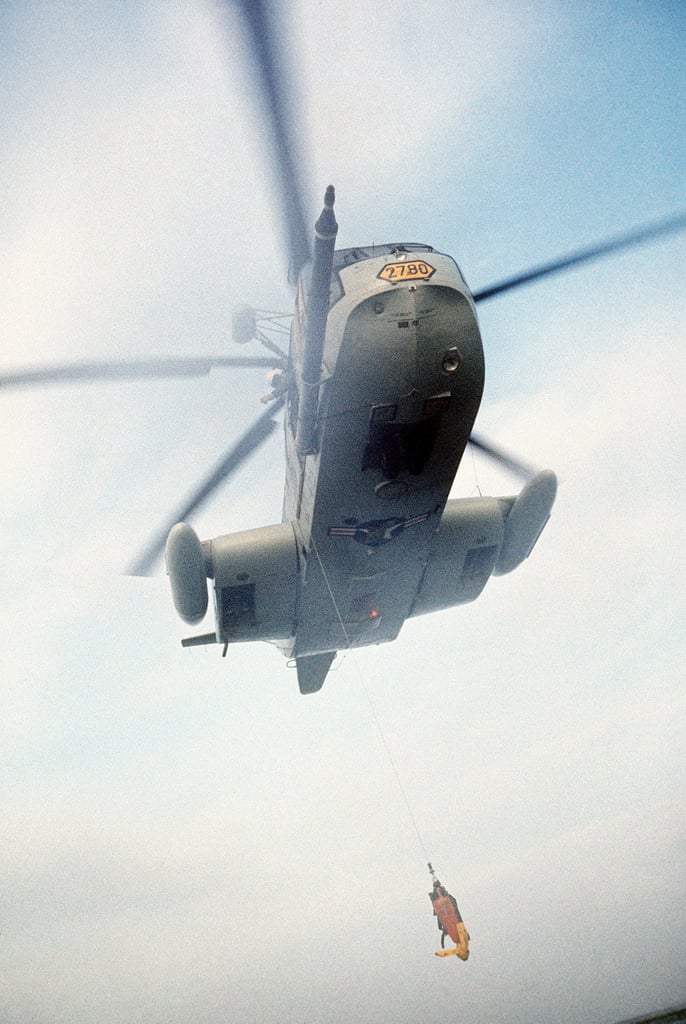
(373, 438)
(402, 378)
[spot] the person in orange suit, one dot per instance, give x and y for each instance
(449, 922)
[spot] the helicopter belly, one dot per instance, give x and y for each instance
(395, 418)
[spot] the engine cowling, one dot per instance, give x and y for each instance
(187, 575)
(256, 575)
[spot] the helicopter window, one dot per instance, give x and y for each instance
(238, 606)
(345, 257)
(383, 413)
(397, 447)
(436, 405)
(336, 290)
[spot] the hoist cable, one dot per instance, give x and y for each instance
(370, 702)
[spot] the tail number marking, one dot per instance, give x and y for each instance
(410, 270)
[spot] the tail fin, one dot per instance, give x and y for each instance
(312, 670)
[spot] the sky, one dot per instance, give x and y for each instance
(186, 837)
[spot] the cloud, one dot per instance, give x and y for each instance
(187, 837)
(385, 113)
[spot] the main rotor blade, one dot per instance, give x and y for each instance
(242, 450)
(150, 369)
(271, 65)
(502, 457)
(626, 241)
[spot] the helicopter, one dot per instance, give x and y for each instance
(381, 388)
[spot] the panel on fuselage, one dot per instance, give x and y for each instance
(406, 366)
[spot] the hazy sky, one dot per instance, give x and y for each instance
(186, 838)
